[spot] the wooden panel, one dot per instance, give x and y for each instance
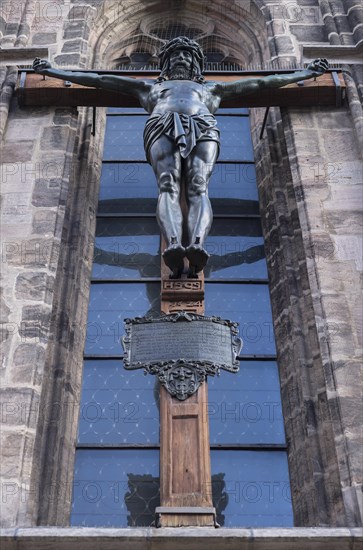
(184, 441)
(34, 89)
(185, 472)
(185, 475)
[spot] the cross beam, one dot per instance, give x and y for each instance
(185, 470)
(37, 90)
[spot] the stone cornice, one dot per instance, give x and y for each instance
(82, 538)
(351, 55)
(21, 56)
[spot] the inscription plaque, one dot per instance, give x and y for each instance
(182, 289)
(182, 349)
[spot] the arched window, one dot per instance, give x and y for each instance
(117, 461)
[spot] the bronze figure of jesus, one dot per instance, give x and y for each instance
(181, 137)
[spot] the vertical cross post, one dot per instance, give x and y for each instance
(185, 472)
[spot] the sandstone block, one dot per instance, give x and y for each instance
(35, 323)
(44, 38)
(31, 286)
(27, 360)
(54, 138)
(19, 407)
(30, 252)
(16, 209)
(44, 222)
(21, 152)
(11, 454)
(47, 192)
(309, 33)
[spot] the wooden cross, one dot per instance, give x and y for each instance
(36, 90)
(185, 471)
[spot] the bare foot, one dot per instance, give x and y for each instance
(197, 257)
(174, 258)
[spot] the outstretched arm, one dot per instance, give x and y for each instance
(123, 84)
(249, 85)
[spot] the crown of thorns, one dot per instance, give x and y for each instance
(181, 43)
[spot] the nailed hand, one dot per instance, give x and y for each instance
(40, 65)
(318, 66)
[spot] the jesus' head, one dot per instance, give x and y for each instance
(181, 59)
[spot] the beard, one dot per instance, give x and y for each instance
(180, 73)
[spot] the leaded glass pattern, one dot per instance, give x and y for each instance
(118, 407)
(131, 187)
(120, 488)
(116, 482)
(127, 187)
(251, 488)
(233, 190)
(236, 143)
(109, 305)
(126, 248)
(246, 408)
(236, 249)
(250, 306)
(123, 138)
(115, 488)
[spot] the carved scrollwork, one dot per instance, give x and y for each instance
(194, 347)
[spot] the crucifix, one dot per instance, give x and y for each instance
(181, 137)
(181, 141)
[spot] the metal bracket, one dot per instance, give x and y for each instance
(264, 122)
(338, 89)
(187, 510)
(93, 132)
(21, 87)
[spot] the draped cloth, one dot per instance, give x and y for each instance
(184, 130)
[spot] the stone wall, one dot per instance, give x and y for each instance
(309, 171)
(35, 180)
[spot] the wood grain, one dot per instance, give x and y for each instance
(185, 473)
(33, 89)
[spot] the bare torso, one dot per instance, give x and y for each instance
(172, 169)
(183, 97)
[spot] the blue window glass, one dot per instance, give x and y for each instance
(236, 249)
(246, 407)
(131, 187)
(233, 111)
(233, 190)
(249, 305)
(251, 488)
(124, 138)
(109, 305)
(128, 248)
(115, 488)
(236, 142)
(125, 110)
(127, 187)
(118, 406)
(119, 487)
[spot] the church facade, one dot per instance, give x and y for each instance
(308, 165)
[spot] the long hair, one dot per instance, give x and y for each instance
(182, 43)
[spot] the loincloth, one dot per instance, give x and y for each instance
(185, 130)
